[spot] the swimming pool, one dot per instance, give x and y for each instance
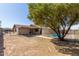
(53, 35)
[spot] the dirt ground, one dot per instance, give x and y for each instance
(18, 45)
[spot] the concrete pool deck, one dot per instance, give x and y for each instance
(68, 36)
(41, 36)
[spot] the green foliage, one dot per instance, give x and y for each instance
(56, 16)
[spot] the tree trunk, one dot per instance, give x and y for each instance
(62, 39)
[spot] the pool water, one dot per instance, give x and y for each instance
(53, 35)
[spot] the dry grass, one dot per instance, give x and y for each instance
(16, 45)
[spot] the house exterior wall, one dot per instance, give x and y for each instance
(36, 31)
(23, 31)
(47, 31)
(28, 31)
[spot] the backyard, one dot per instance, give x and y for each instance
(18, 45)
(22, 45)
(39, 29)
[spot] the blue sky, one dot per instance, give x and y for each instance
(11, 14)
(16, 13)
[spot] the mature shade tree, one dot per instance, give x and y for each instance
(59, 17)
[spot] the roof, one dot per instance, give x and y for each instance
(26, 26)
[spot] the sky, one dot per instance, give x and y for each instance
(15, 13)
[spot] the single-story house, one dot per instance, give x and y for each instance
(27, 30)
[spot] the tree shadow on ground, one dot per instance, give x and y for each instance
(1, 45)
(69, 47)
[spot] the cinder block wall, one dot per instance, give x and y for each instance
(1, 43)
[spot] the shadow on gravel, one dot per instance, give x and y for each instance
(69, 47)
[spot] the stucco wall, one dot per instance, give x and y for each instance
(23, 31)
(36, 32)
(47, 31)
(26, 31)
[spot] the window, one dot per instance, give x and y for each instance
(36, 30)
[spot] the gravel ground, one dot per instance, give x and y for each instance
(18, 45)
